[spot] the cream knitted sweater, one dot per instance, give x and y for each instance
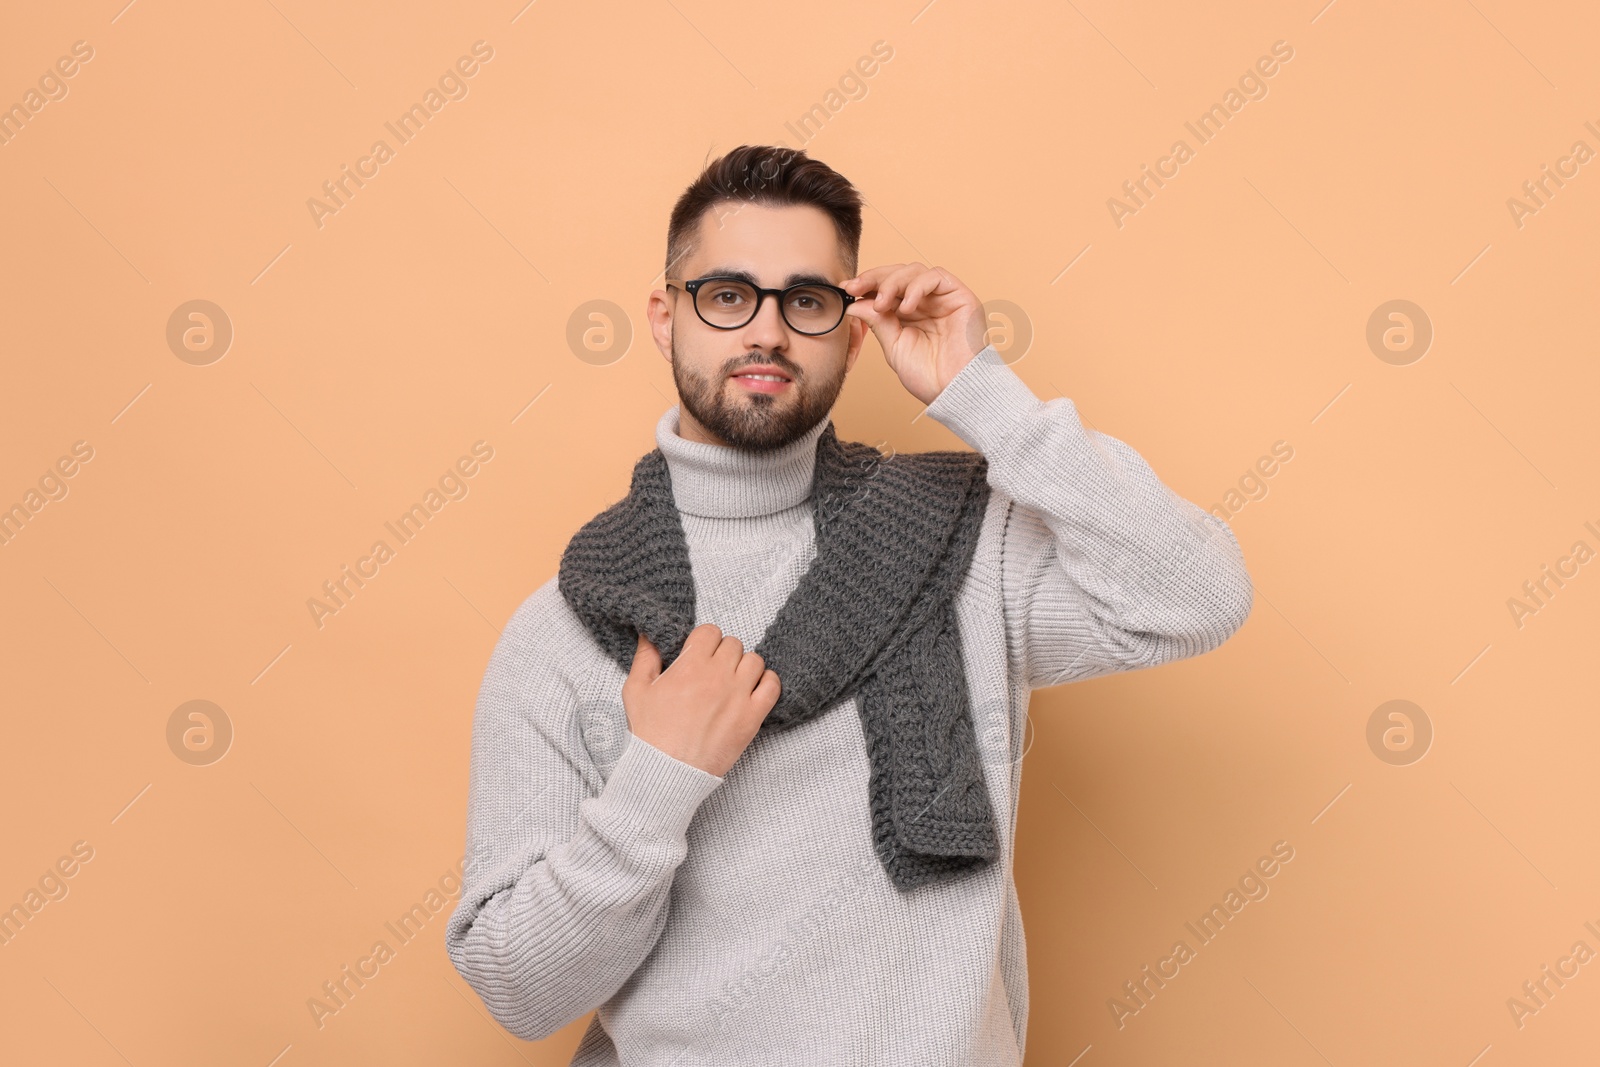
(746, 919)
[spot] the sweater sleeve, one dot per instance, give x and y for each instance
(566, 880)
(1104, 568)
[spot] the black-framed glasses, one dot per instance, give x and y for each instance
(811, 308)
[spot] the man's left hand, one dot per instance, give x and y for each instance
(928, 324)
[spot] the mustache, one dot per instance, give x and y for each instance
(783, 363)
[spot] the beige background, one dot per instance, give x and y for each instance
(1228, 314)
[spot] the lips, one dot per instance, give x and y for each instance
(761, 385)
(766, 370)
(762, 378)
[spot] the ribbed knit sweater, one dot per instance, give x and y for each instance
(746, 919)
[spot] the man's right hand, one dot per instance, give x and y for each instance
(704, 709)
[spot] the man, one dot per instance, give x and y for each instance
(803, 855)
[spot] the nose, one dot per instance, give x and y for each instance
(767, 330)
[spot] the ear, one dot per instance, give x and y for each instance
(858, 336)
(658, 313)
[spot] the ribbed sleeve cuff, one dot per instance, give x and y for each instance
(656, 792)
(985, 402)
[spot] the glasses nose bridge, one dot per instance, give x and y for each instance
(777, 300)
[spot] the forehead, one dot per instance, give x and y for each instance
(771, 242)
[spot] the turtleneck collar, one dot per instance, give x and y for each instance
(721, 482)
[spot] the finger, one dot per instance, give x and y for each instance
(750, 668)
(929, 281)
(702, 640)
(730, 651)
(766, 693)
(885, 325)
(646, 662)
(867, 280)
(892, 288)
(863, 310)
(866, 285)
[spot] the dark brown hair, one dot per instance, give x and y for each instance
(769, 175)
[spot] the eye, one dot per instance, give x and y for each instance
(726, 295)
(811, 299)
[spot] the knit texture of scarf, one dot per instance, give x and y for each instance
(873, 616)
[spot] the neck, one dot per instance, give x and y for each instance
(718, 481)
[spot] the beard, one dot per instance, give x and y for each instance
(755, 422)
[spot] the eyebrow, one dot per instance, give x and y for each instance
(796, 278)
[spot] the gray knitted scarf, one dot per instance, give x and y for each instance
(873, 616)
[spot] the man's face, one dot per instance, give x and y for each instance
(720, 401)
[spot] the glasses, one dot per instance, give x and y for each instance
(811, 308)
